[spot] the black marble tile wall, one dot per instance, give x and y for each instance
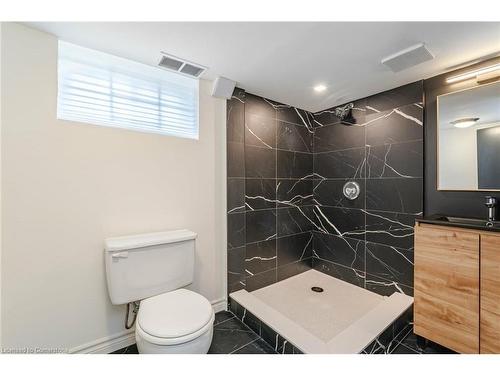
(286, 210)
(269, 191)
(369, 241)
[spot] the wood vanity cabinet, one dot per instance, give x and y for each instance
(457, 287)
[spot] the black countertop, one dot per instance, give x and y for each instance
(457, 222)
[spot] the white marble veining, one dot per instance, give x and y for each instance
(384, 161)
(397, 111)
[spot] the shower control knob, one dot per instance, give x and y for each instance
(351, 190)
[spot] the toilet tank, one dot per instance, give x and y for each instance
(145, 265)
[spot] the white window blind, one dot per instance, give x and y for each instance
(102, 89)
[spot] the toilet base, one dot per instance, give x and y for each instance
(199, 345)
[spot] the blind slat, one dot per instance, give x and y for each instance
(158, 103)
(117, 107)
(106, 90)
(105, 119)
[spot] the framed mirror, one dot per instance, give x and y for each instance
(468, 141)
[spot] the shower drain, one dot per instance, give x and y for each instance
(317, 289)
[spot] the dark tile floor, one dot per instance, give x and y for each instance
(411, 345)
(231, 336)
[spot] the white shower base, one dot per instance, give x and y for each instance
(343, 318)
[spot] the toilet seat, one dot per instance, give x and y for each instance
(174, 318)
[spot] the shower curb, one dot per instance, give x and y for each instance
(384, 343)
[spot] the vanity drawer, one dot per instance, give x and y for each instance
(447, 287)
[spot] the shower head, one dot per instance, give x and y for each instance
(344, 112)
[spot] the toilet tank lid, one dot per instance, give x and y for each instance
(147, 239)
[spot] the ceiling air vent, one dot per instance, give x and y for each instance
(181, 66)
(407, 58)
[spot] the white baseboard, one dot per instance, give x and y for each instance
(106, 344)
(219, 305)
(123, 339)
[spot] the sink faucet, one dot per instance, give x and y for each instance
(491, 203)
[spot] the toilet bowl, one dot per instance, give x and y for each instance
(154, 268)
(176, 322)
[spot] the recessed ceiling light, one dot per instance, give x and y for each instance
(319, 88)
(464, 122)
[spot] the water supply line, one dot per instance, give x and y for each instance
(135, 310)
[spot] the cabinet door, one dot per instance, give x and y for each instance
(490, 294)
(446, 305)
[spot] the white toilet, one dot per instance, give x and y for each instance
(152, 268)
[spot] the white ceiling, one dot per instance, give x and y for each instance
(283, 61)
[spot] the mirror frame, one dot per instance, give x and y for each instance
(497, 81)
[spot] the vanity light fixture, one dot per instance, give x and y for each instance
(473, 73)
(464, 122)
(319, 88)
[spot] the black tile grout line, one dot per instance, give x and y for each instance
(279, 204)
(316, 179)
(389, 281)
(244, 277)
(326, 206)
(424, 145)
(400, 342)
(394, 178)
(339, 150)
(367, 209)
(234, 316)
(290, 107)
(279, 120)
(241, 347)
(276, 203)
(364, 170)
(279, 149)
(386, 245)
(276, 178)
(365, 241)
(271, 239)
(366, 274)
(282, 266)
(305, 178)
(313, 136)
(417, 140)
(340, 265)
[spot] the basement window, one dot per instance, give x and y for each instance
(102, 89)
